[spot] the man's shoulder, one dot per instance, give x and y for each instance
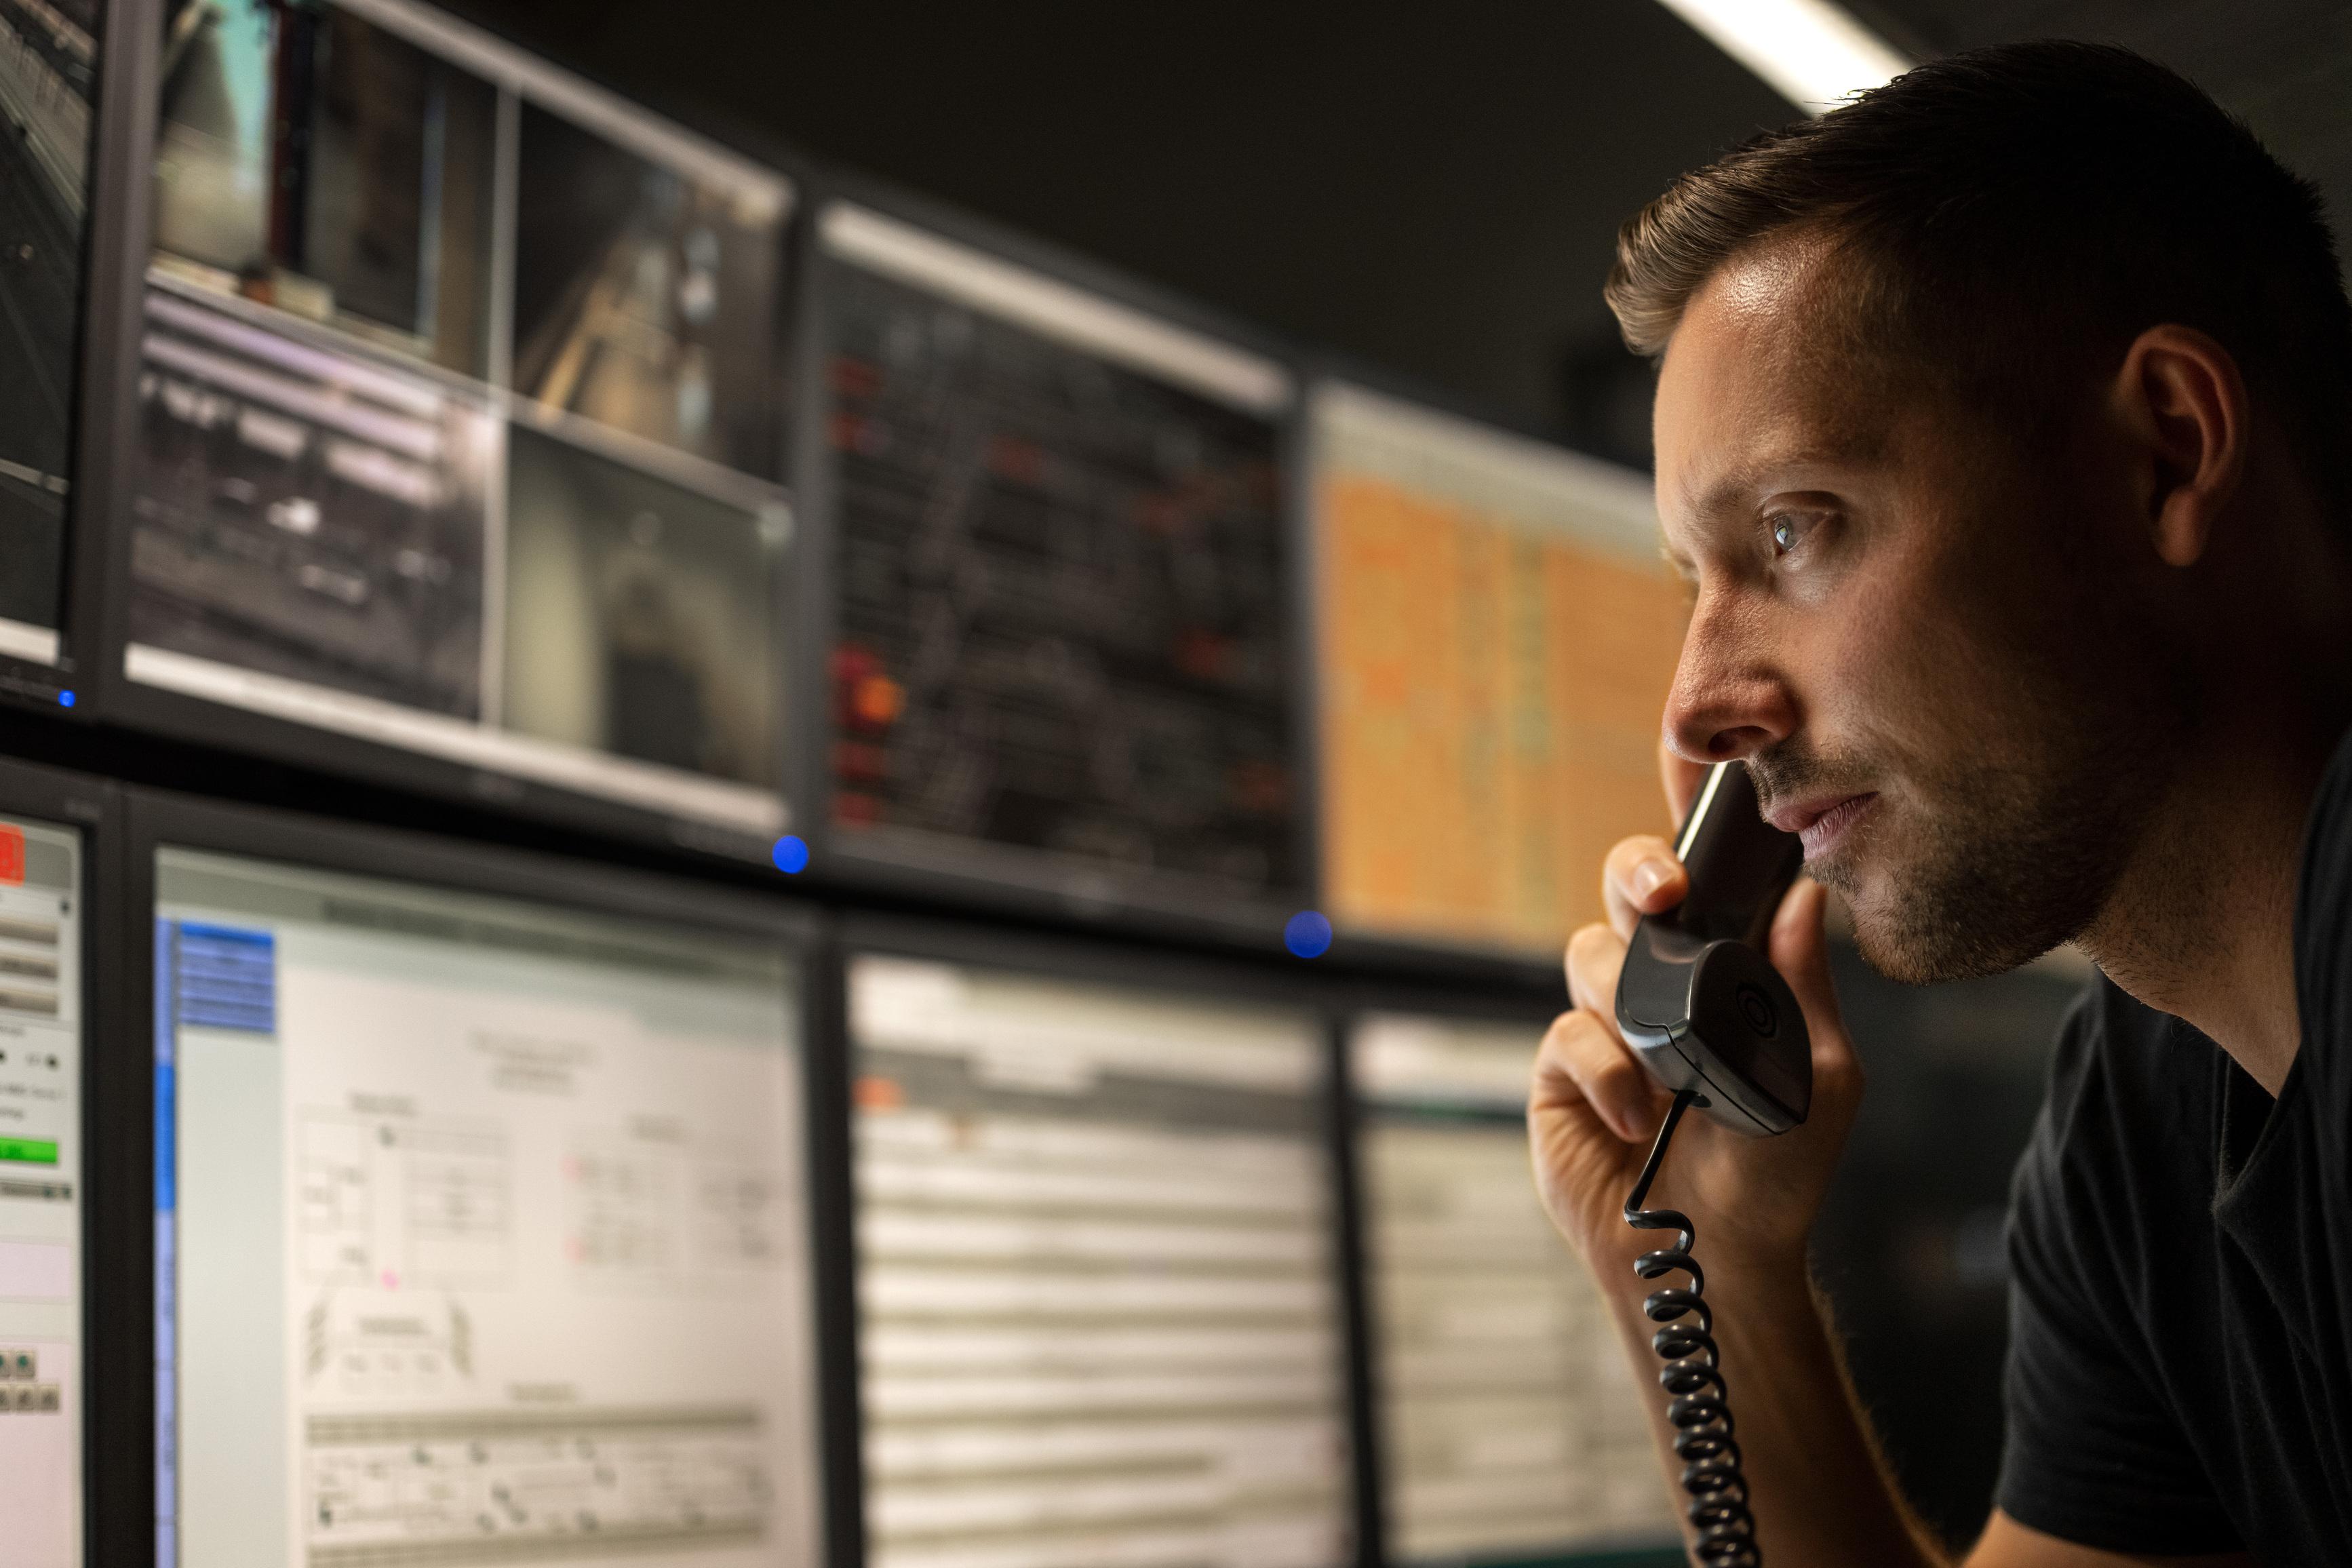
(2127, 1103)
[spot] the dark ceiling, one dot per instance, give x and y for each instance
(1434, 191)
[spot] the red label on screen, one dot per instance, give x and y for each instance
(12, 853)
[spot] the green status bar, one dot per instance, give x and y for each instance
(29, 1150)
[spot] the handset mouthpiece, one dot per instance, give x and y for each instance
(1697, 1001)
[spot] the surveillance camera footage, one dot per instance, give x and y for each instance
(49, 56)
(306, 514)
(638, 614)
(645, 298)
(312, 162)
(405, 279)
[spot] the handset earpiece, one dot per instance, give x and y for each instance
(1702, 1007)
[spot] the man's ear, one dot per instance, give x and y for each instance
(2182, 395)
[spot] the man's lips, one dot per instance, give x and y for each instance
(1822, 821)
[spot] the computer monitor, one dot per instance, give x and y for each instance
(1513, 1430)
(1100, 1321)
(1062, 616)
(49, 66)
(481, 1228)
(1498, 632)
(45, 860)
(457, 428)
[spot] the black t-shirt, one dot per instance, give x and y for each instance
(2180, 1366)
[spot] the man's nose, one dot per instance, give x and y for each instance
(1728, 700)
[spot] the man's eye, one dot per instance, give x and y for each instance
(1790, 528)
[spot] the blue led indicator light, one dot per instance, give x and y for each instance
(791, 853)
(1307, 934)
(65, 700)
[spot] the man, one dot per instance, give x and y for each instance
(2004, 434)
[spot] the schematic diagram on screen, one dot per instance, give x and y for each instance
(395, 1202)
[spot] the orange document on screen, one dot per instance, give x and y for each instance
(1498, 634)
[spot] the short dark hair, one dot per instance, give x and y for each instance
(2025, 210)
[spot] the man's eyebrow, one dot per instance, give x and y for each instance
(1736, 490)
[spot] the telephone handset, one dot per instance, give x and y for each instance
(1704, 1011)
(1698, 1000)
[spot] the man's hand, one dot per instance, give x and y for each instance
(1820, 1492)
(1592, 1109)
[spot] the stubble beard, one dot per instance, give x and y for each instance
(1974, 867)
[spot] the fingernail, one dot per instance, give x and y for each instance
(1649, 876)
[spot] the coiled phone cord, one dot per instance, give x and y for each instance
(1699, 1411)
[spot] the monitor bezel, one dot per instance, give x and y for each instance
(1088, 960)
(975, 876)
(123, 1094)
(101, 575)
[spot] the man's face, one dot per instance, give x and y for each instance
(1939, 646)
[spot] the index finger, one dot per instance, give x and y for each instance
(1642, 877)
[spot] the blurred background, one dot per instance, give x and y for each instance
(1158, 480)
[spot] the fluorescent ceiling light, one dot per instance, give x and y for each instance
(1812, 52)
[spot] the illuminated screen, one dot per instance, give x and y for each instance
(1497, 634)
(458, 422)
(40, 1193)
(1100, 1323)
(49, 78)
(1063, 618)
(480, 1232)
(1513, 1428)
